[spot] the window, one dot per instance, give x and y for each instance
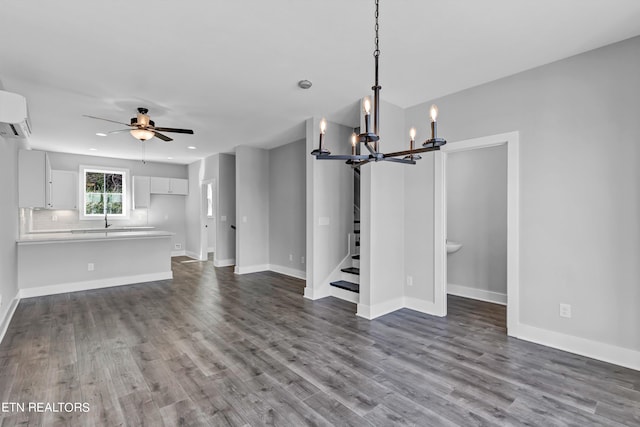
(210, 200)
(104, 192)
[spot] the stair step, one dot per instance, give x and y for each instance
(357, 221)
(357, 243)
(356, 231)
(351, 270)
(349, 286)
(356, 256)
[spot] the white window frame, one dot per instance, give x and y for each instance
(83, 185)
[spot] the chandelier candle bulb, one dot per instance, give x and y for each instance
(366, 106)
(412, 135)
(434, 118)
(353, 144)
(323, 128)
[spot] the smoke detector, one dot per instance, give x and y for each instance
(304, 84)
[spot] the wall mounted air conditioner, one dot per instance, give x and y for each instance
(14, 116)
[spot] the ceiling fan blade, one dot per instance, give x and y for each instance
(165, 138)
(119, 131)
(108, 120)
(189, 131)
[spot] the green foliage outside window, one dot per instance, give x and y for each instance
(103, 193)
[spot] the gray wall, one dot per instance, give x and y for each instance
(165, 212)
(193, 211)
(579, 198)
(8, 226)
(65, 161)
(252, 209)
(226, 236)
(477, 218)
(287, 211)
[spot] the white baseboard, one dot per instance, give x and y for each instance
(427, 307)
(224, 262)
(178, 253)
(582, 346)
(316, 293)
(193, 255)
(345, 295)
(287, 271)
(93, 284)
(4, 325)
(322, 289)
(479, 294)
(370, 312)
(251, 269)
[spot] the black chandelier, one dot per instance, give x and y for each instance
(371, 139)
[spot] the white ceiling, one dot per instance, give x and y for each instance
(229, 69)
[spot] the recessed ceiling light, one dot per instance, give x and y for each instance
(169, 158)
(101, 134)
(93, 149)
(191, 147)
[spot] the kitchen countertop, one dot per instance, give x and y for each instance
(93, 230)
(40, 238)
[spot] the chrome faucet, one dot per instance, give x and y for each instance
(106, 223)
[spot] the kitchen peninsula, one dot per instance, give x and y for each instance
(59, 262)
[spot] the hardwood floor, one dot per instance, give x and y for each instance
(211, 348)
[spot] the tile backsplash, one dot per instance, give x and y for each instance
(39, 220)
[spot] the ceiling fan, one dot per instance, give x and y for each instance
(143, 128)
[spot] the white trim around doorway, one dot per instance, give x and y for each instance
(512, 141)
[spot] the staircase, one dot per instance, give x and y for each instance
(351, 275)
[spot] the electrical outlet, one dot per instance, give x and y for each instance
(565, 310)
(166, 217)
(91, 266)
(409, 280)
(177, 246)
(301, 260)
(54, 218)
(290, 257)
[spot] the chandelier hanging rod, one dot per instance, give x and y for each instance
(370, 139)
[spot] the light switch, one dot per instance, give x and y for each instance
(244, 219)
(223, 218)
(324, 220)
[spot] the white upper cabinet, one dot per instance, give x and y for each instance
(63, 192)
(34, 176)
(141, 192)
(161, 185)
(179, 186)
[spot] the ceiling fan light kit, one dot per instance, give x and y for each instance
(370, 138)
(142, 134)
(143, 128)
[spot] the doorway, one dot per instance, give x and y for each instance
(511, 141)
(476, 193)
(209, 202)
